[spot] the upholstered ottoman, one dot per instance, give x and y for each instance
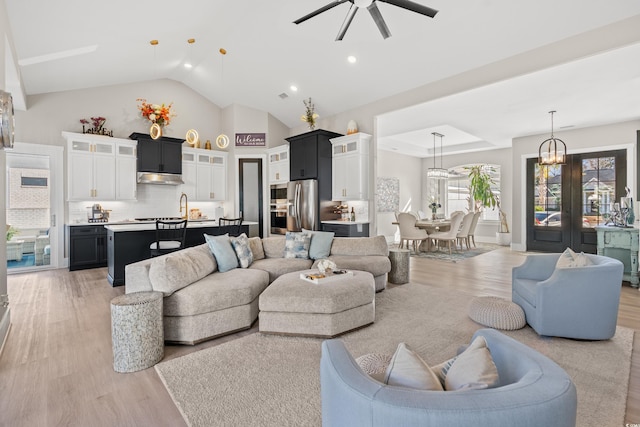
(293, 306)
(497, 313)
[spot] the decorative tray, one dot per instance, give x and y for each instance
(319, 278)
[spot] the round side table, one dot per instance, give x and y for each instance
(136, 330)
(399, 273)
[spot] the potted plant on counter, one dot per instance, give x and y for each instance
(481, 196)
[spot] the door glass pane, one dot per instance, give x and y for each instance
(547, 195)
(598, 189)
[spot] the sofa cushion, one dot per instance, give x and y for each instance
(407, 369)
(243, 251)
(174, 271)
(296, 245)
(360, 246)
(320, 246)
(255, 244)
(376, 265)
(570, 259)
(276, 267)
(470, 370)
(223, 252)
(216, 292)
(273, 246)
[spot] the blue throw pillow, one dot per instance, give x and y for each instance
(296, 245)
(222, 250)
(243, 251)
(321, 241)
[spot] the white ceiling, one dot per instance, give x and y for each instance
(267, 53)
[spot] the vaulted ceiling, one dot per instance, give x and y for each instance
(78, 44)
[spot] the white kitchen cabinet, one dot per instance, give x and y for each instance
(126, 184)
(211, 175)
(100, 167)
(279, 164)
(189, 176)
(350, 167)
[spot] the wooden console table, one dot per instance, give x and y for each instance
(622, 244)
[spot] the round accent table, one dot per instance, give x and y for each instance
(497, 313)
(399, 273)
(137, 331)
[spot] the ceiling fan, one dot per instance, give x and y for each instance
(371, 6)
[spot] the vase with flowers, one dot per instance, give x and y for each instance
(434, 206)
(158, 114)
(309, 116)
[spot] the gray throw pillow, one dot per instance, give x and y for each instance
(321, 241)
(223, 252)
(243, 251)
(296, 245)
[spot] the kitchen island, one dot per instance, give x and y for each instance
(129, 242)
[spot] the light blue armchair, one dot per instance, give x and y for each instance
(533, 391)
(576, 302)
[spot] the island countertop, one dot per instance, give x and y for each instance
(145, 225)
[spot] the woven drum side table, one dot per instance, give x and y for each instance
(399, 273)
(136, 330)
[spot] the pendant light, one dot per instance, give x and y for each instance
(553, 150)
(155, 131)
(434, 172)
(222, 141)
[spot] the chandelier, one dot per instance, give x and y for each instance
(549, 153)
(434, 172)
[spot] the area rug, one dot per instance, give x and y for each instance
(455, 256)
(266, 380)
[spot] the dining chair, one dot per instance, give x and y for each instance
(409, 231)
(170, 237)
(463, 233)
(231, 226)
(450, 236)
(472, 231)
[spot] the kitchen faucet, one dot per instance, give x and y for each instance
(186, 206)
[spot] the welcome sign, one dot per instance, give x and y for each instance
(251, 139)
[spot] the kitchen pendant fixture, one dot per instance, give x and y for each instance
(372, 7)
(434, 172)
(549, 152)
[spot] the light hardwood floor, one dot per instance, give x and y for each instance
(57, 365)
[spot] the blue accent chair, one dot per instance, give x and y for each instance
(533, 391)
(576, 302)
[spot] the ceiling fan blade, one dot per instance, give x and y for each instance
(347, 22)
(412, 6)
(319, 11)
(377, 18)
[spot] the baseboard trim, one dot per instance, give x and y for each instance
(5, 326)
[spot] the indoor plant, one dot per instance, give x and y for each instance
(482, 196)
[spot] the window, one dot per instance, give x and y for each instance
(458, 191)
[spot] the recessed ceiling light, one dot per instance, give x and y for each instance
(187, 65)
(352, 59)
(293, 88)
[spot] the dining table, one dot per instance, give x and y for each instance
(431, 226)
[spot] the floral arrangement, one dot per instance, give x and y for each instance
(309, 117)
(326, 264)
(11, 231)
(97, 128)
(156, 113)
(434, 206)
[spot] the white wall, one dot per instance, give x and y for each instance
(409, 171)
(607, 137)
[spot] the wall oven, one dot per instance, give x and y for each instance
(278, 209)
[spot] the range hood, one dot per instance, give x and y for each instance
(159, 178)
(159, 160)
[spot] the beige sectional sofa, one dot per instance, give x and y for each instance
(201, 303)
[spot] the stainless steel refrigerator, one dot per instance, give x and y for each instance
(302, 201)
